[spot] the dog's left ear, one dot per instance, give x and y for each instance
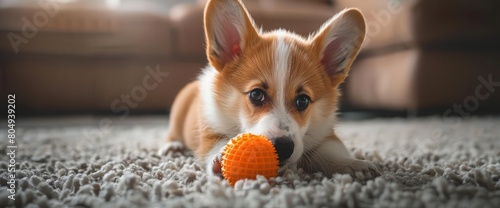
(339, 41)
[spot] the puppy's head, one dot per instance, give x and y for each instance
(279, 84)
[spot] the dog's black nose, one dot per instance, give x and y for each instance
(284, 146)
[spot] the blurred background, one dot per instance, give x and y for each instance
(121, 57)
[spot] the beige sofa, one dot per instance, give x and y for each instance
(426, 54)
(88, 57)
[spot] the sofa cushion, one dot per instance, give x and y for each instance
(466, 23)
(428, 23)
(418, 79)
(83, 31)
(48, 83)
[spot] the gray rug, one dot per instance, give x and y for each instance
(77, 162)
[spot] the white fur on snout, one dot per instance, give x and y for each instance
(269, 126)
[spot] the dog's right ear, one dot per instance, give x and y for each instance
(228, 29)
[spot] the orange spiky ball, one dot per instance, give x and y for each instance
(247, 156)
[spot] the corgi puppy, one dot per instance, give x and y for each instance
(275, 84)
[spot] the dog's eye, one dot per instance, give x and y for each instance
(302, 102)
(257, 97)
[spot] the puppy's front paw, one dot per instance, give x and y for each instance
(171, 147)
(214, 166)
(362, 169)
(217, 165)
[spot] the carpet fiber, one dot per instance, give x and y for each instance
(78, 162)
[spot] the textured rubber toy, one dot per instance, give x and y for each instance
(247, 156)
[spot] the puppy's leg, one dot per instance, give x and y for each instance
(332, 157)
(180, 116)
